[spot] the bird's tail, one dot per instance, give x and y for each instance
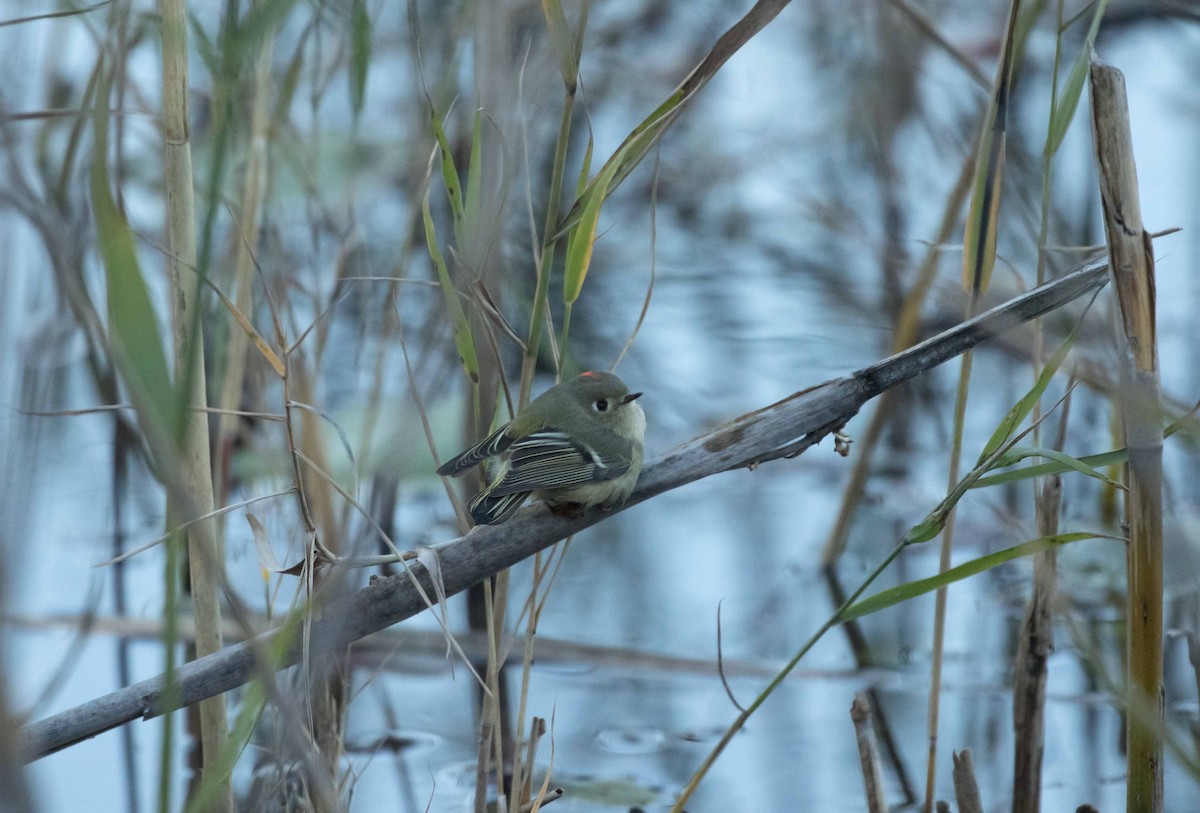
(490, 446)
(488, 510)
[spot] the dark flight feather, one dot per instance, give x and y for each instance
(494, 444)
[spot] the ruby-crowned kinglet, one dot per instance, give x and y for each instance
(579, 443)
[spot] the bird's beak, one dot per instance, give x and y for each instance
(631, 397)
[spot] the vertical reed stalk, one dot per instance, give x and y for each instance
(1033, 650)
(204, 553)
(979, 258)
(549, 246)
(939, 610)
(1037, 626)
(1132, 263)
(253, 191)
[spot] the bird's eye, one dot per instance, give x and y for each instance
(600, 406)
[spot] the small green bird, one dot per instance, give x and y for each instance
(579, 443)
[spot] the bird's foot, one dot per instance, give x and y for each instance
(571, 510)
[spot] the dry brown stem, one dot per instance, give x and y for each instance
(1132, 262)
(868, 754)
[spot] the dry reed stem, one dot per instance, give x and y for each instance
(868, 754)
(966, 789)
(253, 191)
(204, 550)
(979, 257)
(1132, 262)
(1033, 650)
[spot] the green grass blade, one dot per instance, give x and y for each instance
(910, 590)
(1019, 453)
(263, 18)
(1022, 408)
(1064, 112)
(463, 339)
(560, 38)
(449, 171)
(288, 85)
(587, 167)
(628, 155)
(472, 204)
(1095, 461)
(585, 8)
(253, 705)
(979, 239)
(134, 336)
(583, 239)
(1046, 469)
(204, 45)
(360, 54)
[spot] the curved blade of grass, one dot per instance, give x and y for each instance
(463, 339)
(471, 204)
(1094, 460)
(853, 608)
(291, 80)
(933, 523)
(136, 341)
(1046, 469)
(1064, 112)
(583, 238)
(1019, 453)
(561, 40)
(979, 241)
(622, 162)
(637, 144)
(575, 265)
(904, 592)
(360, 53)
(255, 337)
(1022, 408)
(449, 171)
(66, 172)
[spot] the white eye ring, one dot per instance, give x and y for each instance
(601, 405)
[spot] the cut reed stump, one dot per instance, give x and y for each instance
(1132, 262)
(868, 754)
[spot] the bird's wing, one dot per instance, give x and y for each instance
(492, 445)
(550, 459)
